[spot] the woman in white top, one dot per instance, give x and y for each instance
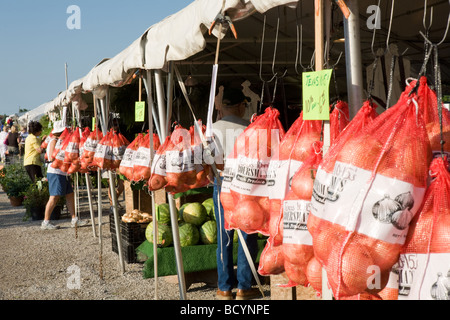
(3, 146)
(59, 184)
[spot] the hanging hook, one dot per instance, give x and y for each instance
(275, 50)
(261, 55)
(427, 28)
(298, 57)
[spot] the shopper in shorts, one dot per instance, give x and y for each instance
(60, 185)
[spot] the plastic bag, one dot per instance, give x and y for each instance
(355, 195)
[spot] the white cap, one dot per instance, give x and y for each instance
(58, 127)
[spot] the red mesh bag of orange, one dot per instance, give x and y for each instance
(425, 259)
(367, 190)
(59, 151)
(246, 200)
(428, 102)
(297, 241)
(296, 147)
(88, 152)
(282, 167)
(339, 119)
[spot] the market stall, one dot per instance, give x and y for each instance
(226, 43)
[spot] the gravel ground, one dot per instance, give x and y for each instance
(40, 265)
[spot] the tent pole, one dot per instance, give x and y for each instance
(319, 62)
(355, 83)
(147, 83)
(99, 191)
(91, 207)
(169, 94)
(170, 199)
(112, 181)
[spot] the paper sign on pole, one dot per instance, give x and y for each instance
(139, 111)
(316, 101)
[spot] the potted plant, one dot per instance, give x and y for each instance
(35, 200)
(15, 181)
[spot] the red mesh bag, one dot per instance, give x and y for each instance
(249, 186)
(428, 101)
(103, 152)
(119, 145)
(297, 241)
(271, 261)
(366, 191)
(89, 147)
(181, 172)
(202, 168)
(45, 143)
(425, 259)
(142, 161)
(158, 179)
(339, 119)
(126, 165)
(296, 147)
(59, 151)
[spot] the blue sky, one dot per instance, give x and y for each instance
(35, 42)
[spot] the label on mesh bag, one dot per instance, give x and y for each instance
(295, 218)
(90, 145)
(142, 157)
(381, 209)
(282, 171)
(424, 276)
(127, 159)
(159, 164)
(180, 161)
(228, 174)
(252, 177)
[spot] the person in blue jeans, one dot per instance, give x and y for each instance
(227, 280)
(231, 111)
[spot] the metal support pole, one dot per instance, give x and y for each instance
(91, 207)
(170, 199)
(104, 107)
(151, 112)
(161, 105)
(355, 83)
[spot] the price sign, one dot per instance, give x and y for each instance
(139, 111)
(315, 92)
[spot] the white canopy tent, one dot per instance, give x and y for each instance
(183, 36)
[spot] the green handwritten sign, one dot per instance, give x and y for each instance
(315, 92)
(139, 111)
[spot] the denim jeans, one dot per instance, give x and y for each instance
(225, 265)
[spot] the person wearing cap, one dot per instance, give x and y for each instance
(32, 157)
(225, 131)
(59, 184)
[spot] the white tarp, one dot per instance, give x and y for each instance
(175, 38)
(34, 115)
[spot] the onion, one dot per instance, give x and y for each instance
(271, 260)
(295, 273)
(247, 216)
(314, 274)
(302, 184)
